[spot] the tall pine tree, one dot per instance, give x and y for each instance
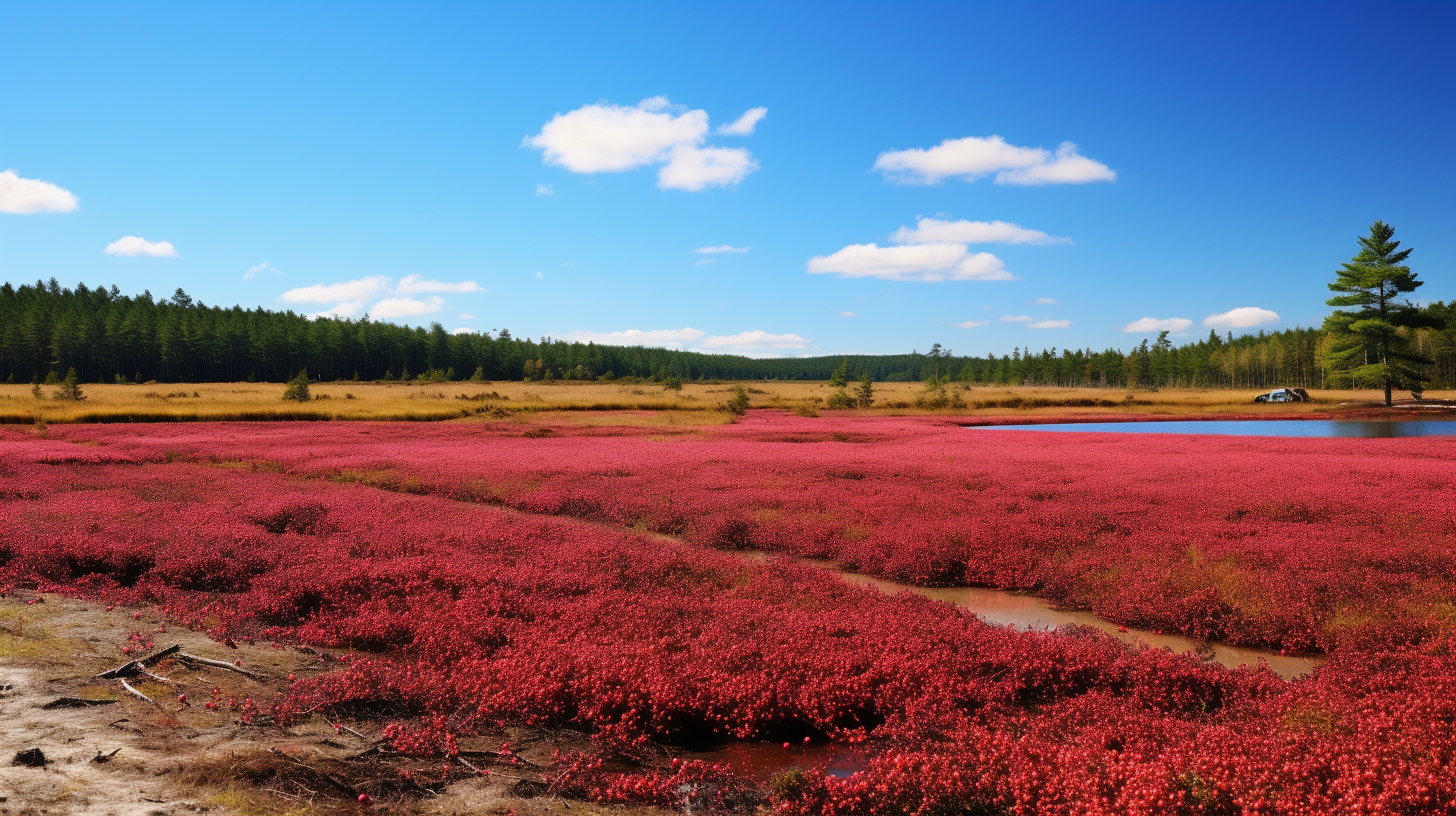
(1368, 347)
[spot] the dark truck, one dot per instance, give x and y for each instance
(1284, 395)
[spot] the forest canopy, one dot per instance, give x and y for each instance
(110, 337)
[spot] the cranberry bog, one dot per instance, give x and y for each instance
(472, 577)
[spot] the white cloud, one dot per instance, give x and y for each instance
(354, 290)
(23, 196)
(1017, 319)
(696, 168)
(971, 157)
(262, 267)
(716, 250)
(928, 263)
(352, 308)
(848, 314)
(667, 338)
(755, 341)
(417, 285)
(744, 125)
(1241, 318)
(934, 231)
(540, 274)
(703, 262)
(1047, 302)
(462, 330)
(545, 190)
(465, 316)
(1069, 167)
(1153, 324)
(971, 324)
(607, 138)
(1049, 324)
(406, 307)
(132, 246)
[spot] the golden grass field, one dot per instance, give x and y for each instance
(615, 403)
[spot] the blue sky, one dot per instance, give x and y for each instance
(553, 168)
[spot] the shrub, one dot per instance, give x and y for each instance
(70, 388)
(297, 390)
(737, 405)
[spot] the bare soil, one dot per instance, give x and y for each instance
(108, 752)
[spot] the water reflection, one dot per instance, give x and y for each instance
(1254, 427)
(1030, 613)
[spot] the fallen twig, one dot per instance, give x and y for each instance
(129, 688)
(216, 664)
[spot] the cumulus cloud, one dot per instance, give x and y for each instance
(1017, 319)
(132, 246)
(1241, 318)
(744, 125)
(935, 231)
(462, 330)
(971, 324)
(417, 285)
(23, 196)
(718, 250)
(1049, 324)
(697, 168)
(1153, 324)
(928, 263)
(545, 190)
(665, 338)
(353, 290)
(406, 307)
(607, 138)
(972, 157)
(755, 341)
(262, 267)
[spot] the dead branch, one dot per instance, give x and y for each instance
(134, 667)
(129, 688)
(216, 664)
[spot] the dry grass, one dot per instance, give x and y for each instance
(604, 403)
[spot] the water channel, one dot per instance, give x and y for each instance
(1253, 427)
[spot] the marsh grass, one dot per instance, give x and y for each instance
(595, 402)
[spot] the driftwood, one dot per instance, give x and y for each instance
(134, 667)
(102, 759)
(129, 688)
(216, 664)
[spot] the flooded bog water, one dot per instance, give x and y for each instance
(1026, 612)
(761, 761)
(1252, 427)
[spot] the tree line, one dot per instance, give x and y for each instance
(106, 336)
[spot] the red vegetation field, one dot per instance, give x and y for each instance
(459, 616)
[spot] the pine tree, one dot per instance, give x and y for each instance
(1368, 346)
(864, 395)
(70, 388)
(837, 379)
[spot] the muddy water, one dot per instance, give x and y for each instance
(1004, 608)
(761, 761)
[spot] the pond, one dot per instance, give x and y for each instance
(1253, 427)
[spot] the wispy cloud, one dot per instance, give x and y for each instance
(745, 124)
(417, 285)
(1049, 324)
(1017, 319)
(1044, 301)
(132, 246)
(359, 289)
(935, 231)
(1155, 324)
(848, 314)
(23, 196)
(545, 190)
(262, 267)
(971, 324)
(972, 157)
(717, 250)
(662, 338)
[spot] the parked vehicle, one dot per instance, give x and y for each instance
(1284, 395)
